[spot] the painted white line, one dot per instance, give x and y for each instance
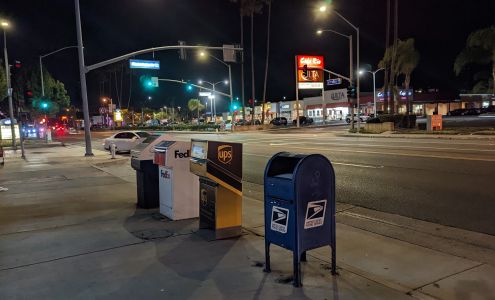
(387, 146)
(333, 162)
(394, 153)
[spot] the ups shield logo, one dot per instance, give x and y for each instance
(225, 154)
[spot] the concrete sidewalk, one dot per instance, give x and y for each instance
(69, 229)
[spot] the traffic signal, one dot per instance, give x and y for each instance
(28, 94)
(189, 88)
(149, 82)
(351, 92)
(305, 71)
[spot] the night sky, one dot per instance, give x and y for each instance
(112, 28)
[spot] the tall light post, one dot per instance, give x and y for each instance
(82, 76)
(351, 68)
(213, 85)
(5, 25)
(41, 66)
(374, 86)
(323, 9)
(203, 54)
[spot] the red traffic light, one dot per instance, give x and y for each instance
(29, 93)
(17, 64)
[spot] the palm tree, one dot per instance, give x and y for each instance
(405, 60)
(195, 104)
(248, 8)
(480, 49)
(269, 3)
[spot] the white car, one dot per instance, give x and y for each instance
(362, 118)
(125, 140)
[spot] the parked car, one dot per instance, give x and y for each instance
(125, 140)
(278, 121)
(303, 121)
(465, 112)
(137, 150)
(362, 118)
(227, 125)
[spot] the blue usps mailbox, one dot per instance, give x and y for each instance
(299, 206)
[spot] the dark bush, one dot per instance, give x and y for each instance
(373, 120)
(401, 121)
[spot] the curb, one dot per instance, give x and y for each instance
(419, 136)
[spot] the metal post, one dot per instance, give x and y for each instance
(230, 87)
(82, 75)
(111, 105)
(21, 140)
(351, 77)
(214, 106)
(41, 76)
(297, 94)
(9, 89)
(323, 104)
(358, 86)
(374, 96)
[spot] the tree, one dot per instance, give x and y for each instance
(195, 104)
(269, 3)
(402, 61)
(479, 49)
(249, 8)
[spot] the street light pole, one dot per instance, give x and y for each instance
(323, 9)
(351, 68)
(82, 75)
(41, 66)
(9, 88)
(230, 78)
(374, 87)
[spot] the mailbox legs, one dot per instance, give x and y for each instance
(267, 268)
(303, 256)
(297, 270)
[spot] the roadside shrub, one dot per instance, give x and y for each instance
(373, 120)
(399, 120)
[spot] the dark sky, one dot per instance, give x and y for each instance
(115, 27)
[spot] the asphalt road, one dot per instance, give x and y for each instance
(443, 181)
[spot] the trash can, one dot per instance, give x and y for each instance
(299, 206)
(147, 182)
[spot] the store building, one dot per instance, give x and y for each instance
(335, 103)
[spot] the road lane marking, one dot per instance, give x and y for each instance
(395, 153)
(385, 146)
(333, 162)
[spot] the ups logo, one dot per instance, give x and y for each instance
(225, 154)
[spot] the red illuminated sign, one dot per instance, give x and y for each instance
(311, 62)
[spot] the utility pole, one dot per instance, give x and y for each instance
(82, 75)
(9, 88)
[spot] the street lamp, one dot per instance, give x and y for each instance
(323, 8)
(361, 72)
(41, 66)
(5, 25)
(351, 71)
(214, 84)
(203, 54)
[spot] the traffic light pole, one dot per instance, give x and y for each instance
(82, 75)
(83, 69)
